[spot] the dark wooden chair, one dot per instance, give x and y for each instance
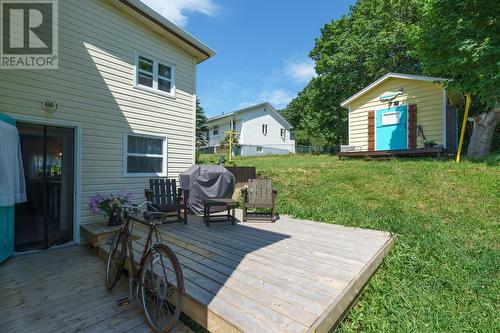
(260, 194)
(166, 198)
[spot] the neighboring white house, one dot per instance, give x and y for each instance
(125, 92)
(261, 130)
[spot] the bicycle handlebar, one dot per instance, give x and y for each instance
(148, 216)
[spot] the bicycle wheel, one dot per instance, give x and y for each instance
(116, 259)
(162, 288)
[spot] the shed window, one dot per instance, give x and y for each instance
(154, 75)
(264, 129)
(145, 155)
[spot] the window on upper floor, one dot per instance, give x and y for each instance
(283, 133)
(264, 129)
(215, 131)
(153, 75)
(145, 155)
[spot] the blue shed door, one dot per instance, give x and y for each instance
(6, 232)
(391, 128)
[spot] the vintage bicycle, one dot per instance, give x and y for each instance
(156, 282)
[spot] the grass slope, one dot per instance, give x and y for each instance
(442, 275)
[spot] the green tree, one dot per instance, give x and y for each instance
(350, 53)
(201, 126)
(459, 40)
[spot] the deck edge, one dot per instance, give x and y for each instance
(337, 310)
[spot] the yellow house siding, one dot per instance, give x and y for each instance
(94, 90)
(427, 95)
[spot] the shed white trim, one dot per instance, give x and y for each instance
(387, 76)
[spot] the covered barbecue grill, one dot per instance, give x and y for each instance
(202, 182)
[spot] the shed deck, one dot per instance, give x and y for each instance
(418, 152)
(288, 276)
(62, 290)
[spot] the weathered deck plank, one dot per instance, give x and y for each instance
(62, 290)
(288, 276)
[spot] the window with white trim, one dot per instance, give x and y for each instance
(154, 75)
(215, 130)
(283, 133)
(264, 129)
(145, 155)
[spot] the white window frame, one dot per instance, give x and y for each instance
(155, 74)
(215, 128)
(164, 156)
(283, 133)
(266, 127)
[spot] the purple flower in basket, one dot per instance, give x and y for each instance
(109, 203)
(95, 202)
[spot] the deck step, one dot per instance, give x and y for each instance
(97, 233)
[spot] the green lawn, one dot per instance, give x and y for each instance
(442, 274)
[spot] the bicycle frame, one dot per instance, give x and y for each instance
(136, 269)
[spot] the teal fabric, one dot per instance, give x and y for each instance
(392, 137)
(6, 232)
(7, 119)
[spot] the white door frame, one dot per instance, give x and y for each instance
(77, 162)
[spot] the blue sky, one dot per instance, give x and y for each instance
(262, 46)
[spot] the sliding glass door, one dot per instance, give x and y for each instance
(47, 217)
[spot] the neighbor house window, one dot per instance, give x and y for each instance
(259, 148)
(264, 129)
(145, 155)
(216, 130)
(155, 75)
(283, 133)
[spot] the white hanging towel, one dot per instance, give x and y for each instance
(12, 185)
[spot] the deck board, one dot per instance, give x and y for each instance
(62, 290)
(288, 276)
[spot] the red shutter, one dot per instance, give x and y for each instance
(371, 130)
(412, 126)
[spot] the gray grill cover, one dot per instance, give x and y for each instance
(206, 182)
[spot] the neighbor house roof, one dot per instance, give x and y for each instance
(387, 76)
(164, 27)
(253, 107)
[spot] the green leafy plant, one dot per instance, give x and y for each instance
(429, 143)
(107, 204)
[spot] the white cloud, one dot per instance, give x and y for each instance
(279, 98)
(175, 10)
(301, 71)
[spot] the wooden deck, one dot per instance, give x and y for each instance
(62, 290)
(419, 152)
(288, 276)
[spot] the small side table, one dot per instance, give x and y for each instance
(229, 203)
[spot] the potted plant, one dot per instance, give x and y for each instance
(429, 143)
(110, 206)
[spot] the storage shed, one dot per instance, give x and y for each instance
(401, 114)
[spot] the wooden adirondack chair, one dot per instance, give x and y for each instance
(166, 198)
(259, 193)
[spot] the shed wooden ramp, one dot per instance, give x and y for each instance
(288, 276)
(62, 290)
